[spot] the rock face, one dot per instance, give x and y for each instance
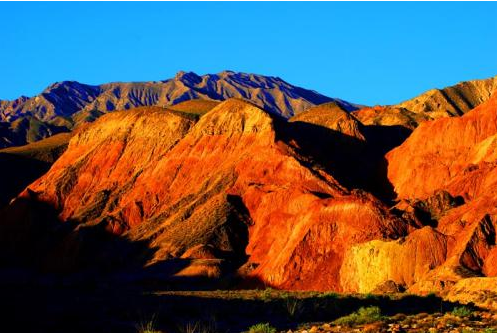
(440, 152)
(223, 190)
(64, 105)
(445, 175)
(367, 266)
(479, 291)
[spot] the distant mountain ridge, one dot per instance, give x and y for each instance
(63, 105)
(454, 100)
(451, 101)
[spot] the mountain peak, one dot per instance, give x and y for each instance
(188, 77)
(234, 115)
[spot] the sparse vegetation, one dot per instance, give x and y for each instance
(189, 327)
(362, 316)
(199, 327)
(262, 328)
(467, 330)
(490, 330)
(462, 311)
(293, 306)
(267, 294)
(147, 327)
(329, 295)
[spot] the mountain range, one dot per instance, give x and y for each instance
(65, 105)
(247, 178)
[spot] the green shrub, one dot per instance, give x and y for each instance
(262, 328)
(362, 316)
(462, 311)
(371, 296)
(330, 294)
(268, 294)
(490, 330)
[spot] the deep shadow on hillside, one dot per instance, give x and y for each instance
(354, 163)
(36, 244)
(20, 166)
(17, 172)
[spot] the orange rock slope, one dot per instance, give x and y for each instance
(440, 153)
(224, 189)
(235, 190)
(455, 155)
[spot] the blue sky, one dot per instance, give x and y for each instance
(370, 53)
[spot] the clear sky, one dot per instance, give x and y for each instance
(370, 53)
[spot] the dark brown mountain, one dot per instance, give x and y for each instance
(62, 106)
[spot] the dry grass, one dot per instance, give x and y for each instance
(44, 150)
(195, 106)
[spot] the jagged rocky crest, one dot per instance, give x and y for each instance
(65, 105)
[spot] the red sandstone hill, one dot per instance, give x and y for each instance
(440, 152)
(213, 190)
(217, 190)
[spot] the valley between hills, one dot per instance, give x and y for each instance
(238, 202)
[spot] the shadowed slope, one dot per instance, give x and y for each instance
(20, 166)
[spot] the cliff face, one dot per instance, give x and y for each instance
(223, 188)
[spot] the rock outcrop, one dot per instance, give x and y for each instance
(445, 181)
(406, 261)
(481, 291)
